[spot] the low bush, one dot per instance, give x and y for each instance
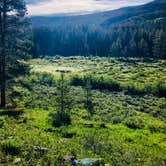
(161, 89)
(102, 83)
(2, 121)
(96, 141)
(13, 113)
(68, 134)
(43, 79)
(10, 147)
(157, 128)
(136, 89)
(157, 89)
(60, 119)
(134, 123)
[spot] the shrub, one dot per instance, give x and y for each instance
(116, 119)
(161, 89)
(60, 119)
(102, 125)
(102, 83)
(158, 89)
(136, 89)
(96, 141)
(77, 81)
(13, 113)
(43, 79)
(26, 83)
(2, 121)
(157, 128)
(10, 147)
(134, 123)
(68, 134)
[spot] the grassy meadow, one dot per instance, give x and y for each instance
(127, 126)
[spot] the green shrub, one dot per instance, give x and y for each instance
(13, 113)
(68, 134)
(134, 123)
(158, 89)
(102, 83)
(77, 81)
(157, 128)
(10, 147)
(97, 142)
(161, 89)
(102, 125)
(136, 89)
(117, 119)
(60, 119)
(26, 83)
(2, 121)
(43, 79)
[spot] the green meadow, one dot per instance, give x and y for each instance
(127, 126)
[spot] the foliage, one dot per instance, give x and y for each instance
(13, 24)
(2, 121)
(96, 82)
(60, 119)
(134, 122)
(43, 79)
(125, 128)
(10, 147)
(88, 103)
(64, 101)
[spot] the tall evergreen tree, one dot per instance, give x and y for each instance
(14, 40)
(64, 103)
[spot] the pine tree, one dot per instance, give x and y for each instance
(143, 48)
(88, 95)
(157, 44)
(14, 40)
(163, 44)
(64, 103)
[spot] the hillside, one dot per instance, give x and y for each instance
(153, 10)
(132, 31)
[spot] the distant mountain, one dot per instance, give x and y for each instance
(153, 10)
(150, 11)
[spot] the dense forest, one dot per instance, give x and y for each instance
(134, 31)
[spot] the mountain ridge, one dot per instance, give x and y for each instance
(153, 10)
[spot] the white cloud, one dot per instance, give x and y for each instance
(72, 6)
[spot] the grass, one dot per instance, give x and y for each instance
(125, 128)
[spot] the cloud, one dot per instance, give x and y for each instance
(77, 6)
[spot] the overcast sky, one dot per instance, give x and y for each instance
(41, 7)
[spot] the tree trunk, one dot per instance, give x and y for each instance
(3, 55)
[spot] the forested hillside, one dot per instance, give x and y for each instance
(133, 31)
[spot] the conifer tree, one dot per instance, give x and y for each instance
(88, 95)
(14, 41)
(64, 103)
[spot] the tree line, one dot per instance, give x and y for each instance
(129, 38)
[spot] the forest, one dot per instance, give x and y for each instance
(83, 90)
(135, 31)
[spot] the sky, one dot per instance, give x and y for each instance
(46, 7)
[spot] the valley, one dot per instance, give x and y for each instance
(132, 118)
